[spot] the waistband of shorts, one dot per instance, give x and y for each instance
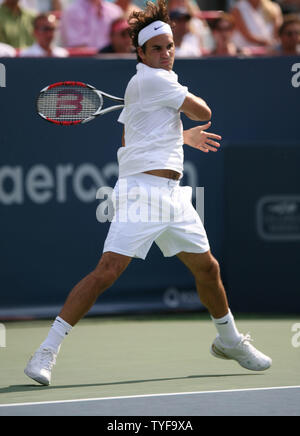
(153, 180)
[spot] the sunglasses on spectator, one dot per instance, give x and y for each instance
(45, 29)
(124, 33)
(292, 32)
(184, 19)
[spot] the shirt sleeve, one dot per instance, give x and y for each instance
(162, 90)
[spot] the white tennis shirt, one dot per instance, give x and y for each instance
(153, 127)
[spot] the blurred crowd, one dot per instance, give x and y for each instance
(62, 28)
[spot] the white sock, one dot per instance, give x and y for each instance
(227, 329)
(59, 330)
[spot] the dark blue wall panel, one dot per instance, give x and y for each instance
(49, 235)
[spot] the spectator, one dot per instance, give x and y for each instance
(44, 32)
(289, 34)
(222, 29)
(87, 23)
(16, 24)
(41, 6)
(187, 43)
(7, 51)
(197, 26)
(120, 38)
(257, 23)
(190, 5)
(128, 7)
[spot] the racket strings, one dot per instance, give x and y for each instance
(72, 103)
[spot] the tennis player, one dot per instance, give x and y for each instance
(152, 158)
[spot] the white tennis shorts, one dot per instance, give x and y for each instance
(151, 209)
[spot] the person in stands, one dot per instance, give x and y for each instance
(120, 38)
(289, 35)
(16, 24)
(222, 30)
(87, 23)
(45, 26)
(257, 23)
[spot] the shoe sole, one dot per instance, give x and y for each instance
(36, 378)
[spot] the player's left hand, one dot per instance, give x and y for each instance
(197, 137)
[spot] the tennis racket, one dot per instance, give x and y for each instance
(71, 103)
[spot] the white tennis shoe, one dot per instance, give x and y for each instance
(244, 353)
(40, 366)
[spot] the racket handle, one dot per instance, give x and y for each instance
(111, 109)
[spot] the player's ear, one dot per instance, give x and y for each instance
(141, 53)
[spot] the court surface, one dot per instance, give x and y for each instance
(158, 366)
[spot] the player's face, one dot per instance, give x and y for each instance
(160, 52)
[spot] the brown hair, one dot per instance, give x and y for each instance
(45, 16)
(288, 19)
(140, 19)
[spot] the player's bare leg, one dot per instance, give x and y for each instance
(85, 293)
(80, 300)
(206, 271)
(229, 344)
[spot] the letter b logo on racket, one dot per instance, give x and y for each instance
(68, 103)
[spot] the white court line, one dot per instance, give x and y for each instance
(147, 396)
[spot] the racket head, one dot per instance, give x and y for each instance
(69, 103)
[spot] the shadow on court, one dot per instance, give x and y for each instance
(28, 388)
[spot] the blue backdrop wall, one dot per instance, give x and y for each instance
(49, 175)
